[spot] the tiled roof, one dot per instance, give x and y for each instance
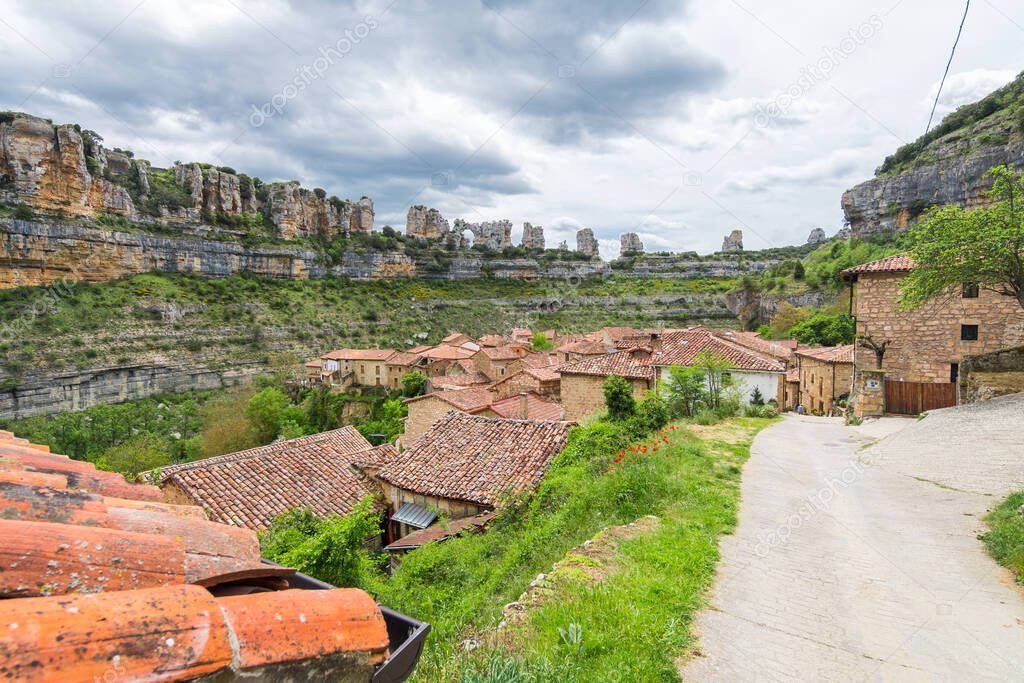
(793, 375)
(620, 363)
(95, 584)
(777, 348)
(249, 488)
(403, 358)
(537, 408)
(680, 348)
(461, 381)
(900, 263)
(456, 339)
(546, 374)
(476, 459)
(471, 398)
(316, 363)
(586, 347)
(829, 354)
(440, 532)
(492, 340)
(420, 349)
(502, 352)
(446, 353)
(358, 354)
(540, 359)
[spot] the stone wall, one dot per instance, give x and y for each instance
(423, 413)
(926, 341)
(583, 395)
(822, 383)
(44, 395)
(989, 375)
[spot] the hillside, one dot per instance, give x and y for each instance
(946, 166)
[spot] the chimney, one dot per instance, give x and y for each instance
(656, 342)
(524, 406)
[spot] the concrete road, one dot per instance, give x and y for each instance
(846, 571)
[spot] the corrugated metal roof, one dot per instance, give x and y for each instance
(414, 515)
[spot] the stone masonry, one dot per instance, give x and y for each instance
(926, 342)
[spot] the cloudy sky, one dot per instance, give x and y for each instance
(672, 118)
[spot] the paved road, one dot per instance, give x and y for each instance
(844, 571)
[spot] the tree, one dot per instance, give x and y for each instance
(715, 371)
(618, 397)
(786, 316)
(825, 329)
(385, 419)
(414, 384)
(541, 342)
(135, 456)
(878, 347)
(684, 390)
(756, 397)
(226, 428)
(984, 247)
(264, 412)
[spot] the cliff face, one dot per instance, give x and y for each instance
(945, 166)
(65, 169)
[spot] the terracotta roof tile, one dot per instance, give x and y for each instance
(358, 354)
(777, 348)
(537, 408)
(420, 349)
(620, 363)
(470, 398)
(492, 340)
(403, 358)
(463, 380)
(97, 583)
(680, 348)
(545, 374)
(586, 347)
(251, 487)
(503, 352)
(899, 263)
(475, 459)
(829, 354)
(447, 353)
(440, 532)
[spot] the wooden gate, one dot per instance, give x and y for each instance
(914, 398)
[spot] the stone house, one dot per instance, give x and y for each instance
(252, 487)
(825, 375)
(927, 344)
(440, 358)
(463, 465)
(582, 381)
(544, 382)
(748, 368)
(363, 367)
(427, 409)
(499, 361)
(401, 364)
(524, 406)
(581, 348)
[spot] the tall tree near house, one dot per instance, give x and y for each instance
(956, 247)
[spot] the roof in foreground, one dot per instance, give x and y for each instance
(899, 263)
(829, 354)
(476, 459)
(250, 488)
(537, 408)
(100, 575)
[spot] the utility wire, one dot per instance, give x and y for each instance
(946, 72)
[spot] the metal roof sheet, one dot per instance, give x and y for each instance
(414, 515)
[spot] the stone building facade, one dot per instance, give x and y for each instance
(929, 343)
(826, 375)
(583, 395)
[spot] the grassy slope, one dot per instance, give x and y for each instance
(636, 622)
(169, 317)
(1006, 539)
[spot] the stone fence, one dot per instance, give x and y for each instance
(992, 374)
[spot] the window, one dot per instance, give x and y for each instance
(970, 291)
(954, 372)
(968, 333)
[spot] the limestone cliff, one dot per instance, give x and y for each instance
(533, 236)
(629, 243)
(586, 243)
(945, 166)
(426, 223)
(64, 169)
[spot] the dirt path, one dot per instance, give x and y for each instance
(845, 571)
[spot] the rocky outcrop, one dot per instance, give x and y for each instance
(629, 243)
(753, 308)
(733, 241)
(376, 266)
(494, 235)
(533, 236)
(586, 244)
(426, 223)
(65, 170)
(47, 167)
(817, 236)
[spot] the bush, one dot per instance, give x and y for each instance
(706, 417)
(760, 411)
(135, 456)
(618, 397)
(24, 212)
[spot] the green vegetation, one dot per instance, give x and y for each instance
(1006, 102)
(1006, 539)
(540, 342)
(981, 247)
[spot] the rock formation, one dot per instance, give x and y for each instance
(629, 243)
(817, 236)
(426, 223)
(494, 235)
(533, 236)
(65, 169)
(733, 241)
(585, 242)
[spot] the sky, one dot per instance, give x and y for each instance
(675, 119)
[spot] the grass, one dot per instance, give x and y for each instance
(1005, 540)
(635, 621)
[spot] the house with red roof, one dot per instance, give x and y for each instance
(825, 375)
(582, 381)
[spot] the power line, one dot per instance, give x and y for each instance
(946, 72)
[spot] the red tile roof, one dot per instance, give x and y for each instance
(95, 584)
(468, 399)
(492, 340)
(900, 263)
(502, 352)
(456, 339)
(776, 348)
(420, 349)
(403, 358)
(680, 348)
(476, 459)
(249, 488)
(829, 354)
(546, 374)
(447, 353)
(441, 532)
(620, 363)
(358, 354)
(463, 380)
(586, 347)
(537, 408)
(540, 359)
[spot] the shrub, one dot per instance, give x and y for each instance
(136, 455)
(24, 212)
(618, 397)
